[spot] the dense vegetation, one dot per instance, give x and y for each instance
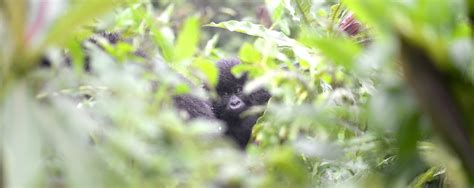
(365, 93)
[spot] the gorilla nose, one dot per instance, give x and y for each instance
(235, 102)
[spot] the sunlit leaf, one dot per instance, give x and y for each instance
(211, 44)
(277, 37)
(81, 13)
(342, 51)
(165, 42)
(303, 9)
(209, 69)
(248, 53)
(188, 39)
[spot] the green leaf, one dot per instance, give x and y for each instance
(78, 15)
(340, 50)
(287, 170)
(249, 54)
(166, 15)
(303, 8)
(182, 88)
(372, 12)
(163, 39)
(285, 27)
(278, 12)
(77, 55)
(211, 44)
(120, 51)
(278, 38)
(188, 39)
(209, 69)
(423, 179)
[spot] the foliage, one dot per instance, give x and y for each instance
(365, 93)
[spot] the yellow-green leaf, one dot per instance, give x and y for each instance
(188, 39)
(248, 53)
(209, 69)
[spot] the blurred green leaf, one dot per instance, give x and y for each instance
(164, 41)
(77, 55)
(285, 169)
(303, 9)
(373, 12)
(188, 39)
(424, 178)
(167, 13)
(274, 36)
(23, 144)
(248, 53)
(209, 69)
(79, 14)
(211, 45)
(342, 51)
(278, 11)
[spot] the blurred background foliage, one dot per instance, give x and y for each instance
(366, 93)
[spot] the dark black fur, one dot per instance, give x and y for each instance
(232, 102)
(194, 107)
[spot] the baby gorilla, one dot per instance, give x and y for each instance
(232, 102)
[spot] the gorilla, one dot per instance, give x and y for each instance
(232, 102)
(228, 107)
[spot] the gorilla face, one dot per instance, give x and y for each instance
(231, 101)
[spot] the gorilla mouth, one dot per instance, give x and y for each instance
(236, 111)
(236, 105)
